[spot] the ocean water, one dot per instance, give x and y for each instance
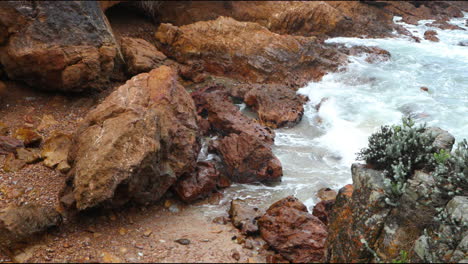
(318, 152)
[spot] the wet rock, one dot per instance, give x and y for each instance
(183, 241)
(248, 160)
(276, 106)
(55, 151)
(326, 194)
(136, 143)
(443, 139)
(294, 233)
(444, 25)
(431, 35)
(28, 136)
(463, 43)
(225, 117)
(373, 54)
(79, 55)
(140, 55)
(244, 216)
(19, 223)
(199, 183)
(13, 164)
(28, 155)
(322, 210)
(248, 52)
(9, 145)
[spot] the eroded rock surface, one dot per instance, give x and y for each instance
(136, 143)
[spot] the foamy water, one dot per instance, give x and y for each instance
(319, 151)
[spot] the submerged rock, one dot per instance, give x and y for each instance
(294, 233)
(63, 45)
(248, 51)
(431, 35)
(136, 143)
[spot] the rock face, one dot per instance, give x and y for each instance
(136, 143)
(248, 51)
(304, 18)
(294, 233)
(276, 106)
(19, 223)
(199, 183)
(248, 160)
(140, 55)
(64, 45)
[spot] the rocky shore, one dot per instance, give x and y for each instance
(120, 124)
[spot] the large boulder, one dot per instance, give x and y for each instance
(248, 51)
(60, 45)
(136, 143)
(293, 232)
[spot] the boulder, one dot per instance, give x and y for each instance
(248, 51)
(140, 55)
(431, 35)
(225, 118)
(199, 183)
(245, 216)
(323, 209)
(19, 223)
(61, 46)
(294, 233)
(135, 144)
(276, 106)
(247, 159)
(442, 138)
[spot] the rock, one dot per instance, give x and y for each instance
(12, 164)
(199, 183)
(225, 117)
(276, 106)
(247, 51)
(140, 56)
(4, 129)
(28, 155)
(136, 143)
(244, 216)
(463, 43)
(443, 139)
(28, 136)
(183, 241)
(322, 210)
(276, 258)
(148, 233)
(326, 194)
(431, 35)
(20, 223)
(110, 258)
(424, 89)
(373, 54)
(292, 18)
(444, 25)
(248, 160)
(9, 145)
(55, 151)
(79, 55)
(46, 122)
(235, 255)
(294, 233)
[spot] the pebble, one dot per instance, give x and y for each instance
(183, 241)
(147, 233)
(122, 231)
(235, 255)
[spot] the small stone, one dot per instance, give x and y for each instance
(216, 231)
(183, 241)
(205, 240)
(12, 164)
(167, 203)
(47, 121)
(139, 246)
(147, 233)
(67, 245)
(9, 144)
(55, 151)
(425, 89)
(162, 240)
(112, 217)
(123, 250)
(28, 136)
(122, 231)
(236, 255)
(4, 130)
(109, 258)
(28, 155)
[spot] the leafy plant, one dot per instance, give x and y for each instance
(403, 257)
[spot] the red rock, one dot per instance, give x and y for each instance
(136, 143)
(294, 233)
(431, 35)
(9, 145)
(199, 183)
(244, 216)
(247, 159)
(225, 117)
(140, 55)
(323, 209)
(81, 55)
(247, 51)
(276, 106)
